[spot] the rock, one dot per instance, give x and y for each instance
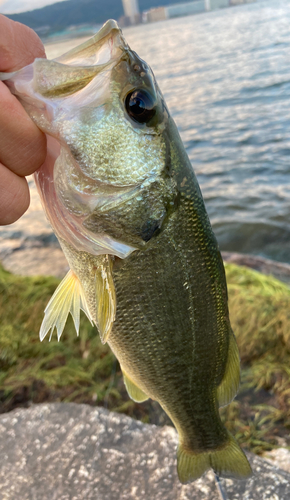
(45, 261)
(279, 270)
(279, 457)
(75, 452)
(28, 247)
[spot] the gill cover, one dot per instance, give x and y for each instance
(55, 94)
(69, 98)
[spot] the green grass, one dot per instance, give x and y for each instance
(82, 370)
(260, 316)
(74, 369)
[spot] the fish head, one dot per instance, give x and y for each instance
(113, 125)
(136, 89)
(101, 102)
(106, 117)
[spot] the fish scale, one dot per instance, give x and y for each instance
(174, 325)
(123, 200)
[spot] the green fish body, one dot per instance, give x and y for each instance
(124, 202)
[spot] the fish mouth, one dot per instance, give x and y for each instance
(88, 76)
(74, 70)
(71, 71)
(99, 49)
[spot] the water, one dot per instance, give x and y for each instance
(225, 76)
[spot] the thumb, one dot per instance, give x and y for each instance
(19, 45)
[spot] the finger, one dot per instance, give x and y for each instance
(19, 45)
(22, 144)
(14, 196)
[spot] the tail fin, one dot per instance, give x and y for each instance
(229, 461)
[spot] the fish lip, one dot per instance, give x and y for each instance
(110, 28)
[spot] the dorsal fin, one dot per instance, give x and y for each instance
(67, 298)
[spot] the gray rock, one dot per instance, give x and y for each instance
(36, 260)
(279, 270)
(280, 457)
(28, 247)
(73, 452)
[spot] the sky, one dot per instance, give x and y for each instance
(14, 6)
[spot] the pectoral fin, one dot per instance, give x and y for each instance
(67, 298)
(229, 385)
(133, 390)
(106, 300)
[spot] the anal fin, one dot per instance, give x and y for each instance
(229, 385)
(133, 390)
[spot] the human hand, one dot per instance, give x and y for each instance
(22, 144)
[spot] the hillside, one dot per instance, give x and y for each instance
(60, 15)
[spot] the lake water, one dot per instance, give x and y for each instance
(225, 76)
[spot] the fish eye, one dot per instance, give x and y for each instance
(140, 106)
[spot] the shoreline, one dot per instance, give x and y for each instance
(279, 270)
(32, 258)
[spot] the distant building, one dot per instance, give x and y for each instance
(239, 2)
(216, 4)
(153, 15)
(131, 10)
(185, 9)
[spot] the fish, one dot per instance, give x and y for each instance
(122, 198)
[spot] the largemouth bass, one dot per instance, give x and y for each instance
(123, 200)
